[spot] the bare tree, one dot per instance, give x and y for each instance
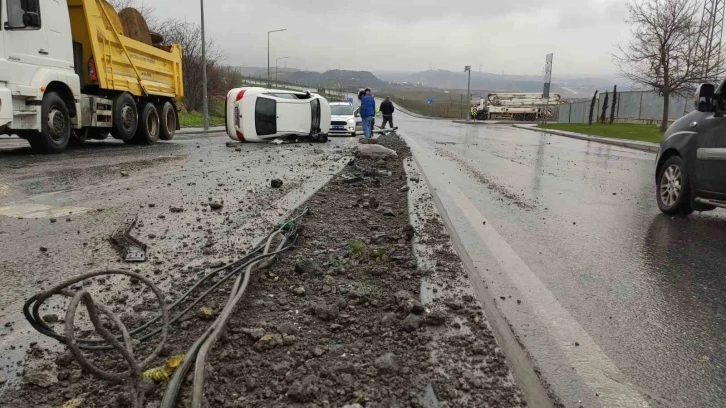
(662, 55)
(189, 36)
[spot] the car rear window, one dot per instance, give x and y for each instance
(266, 116)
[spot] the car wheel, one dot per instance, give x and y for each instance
(673, 189)
(321, 138)
(55, 131)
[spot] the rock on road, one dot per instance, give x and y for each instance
(617, 304)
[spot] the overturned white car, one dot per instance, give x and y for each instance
(259, 114)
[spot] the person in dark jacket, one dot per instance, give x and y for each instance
(387, 112)
(367, 113)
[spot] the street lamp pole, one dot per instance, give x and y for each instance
(268, 51)
(277, 60)
(468, 89)
(205, 101)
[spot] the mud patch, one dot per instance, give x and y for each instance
(490, 182)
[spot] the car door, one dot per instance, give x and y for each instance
(711, 155)
(26, 42)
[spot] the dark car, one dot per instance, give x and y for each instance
(691, 164)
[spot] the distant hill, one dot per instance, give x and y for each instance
(569, 87)
(333, 79)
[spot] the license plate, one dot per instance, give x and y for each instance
(338, 127)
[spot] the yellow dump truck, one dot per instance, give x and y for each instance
(70, 74)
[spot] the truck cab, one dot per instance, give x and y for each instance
(68, 73)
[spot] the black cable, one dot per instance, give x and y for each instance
(36, 301)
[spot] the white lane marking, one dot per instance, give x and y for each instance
(39, 211)
(597, 371)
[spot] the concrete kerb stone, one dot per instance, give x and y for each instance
(198, 130)
(642, 146)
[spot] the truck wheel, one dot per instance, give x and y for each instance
(55, 126)
(530, 118)
(148, 130)
(125, 117)
(167, 119)
(518, 117)
(673, 188)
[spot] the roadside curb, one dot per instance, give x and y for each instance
(198, 131)
(484, 122)
(416, 115)
(642, 146)
(470, 122)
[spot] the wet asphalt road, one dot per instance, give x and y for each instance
(616, 304)
(70, 204)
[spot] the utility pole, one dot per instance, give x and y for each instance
(205, 101)
(268, 52)
(468, 88)
(708, 48)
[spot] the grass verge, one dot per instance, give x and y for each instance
(626, 131)
(194, 119)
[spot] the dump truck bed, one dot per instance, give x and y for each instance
(121, 63)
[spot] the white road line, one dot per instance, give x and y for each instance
(39, 211)
(597, 371)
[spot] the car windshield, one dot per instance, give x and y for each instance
(341, 110)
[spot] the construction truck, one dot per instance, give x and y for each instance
(515, 106)
(72, 71)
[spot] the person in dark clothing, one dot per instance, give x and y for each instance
(387, 112)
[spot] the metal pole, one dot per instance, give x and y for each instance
(268, 52)
(205, 102)
(468, 94)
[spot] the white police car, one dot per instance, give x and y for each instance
(344, 119)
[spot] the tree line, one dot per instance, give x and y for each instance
(189, 36)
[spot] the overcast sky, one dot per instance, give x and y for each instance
(412, 35)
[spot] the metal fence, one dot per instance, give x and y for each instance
(631, 107)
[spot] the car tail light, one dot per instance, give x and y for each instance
(92, 74)
(240, 95)
(240, 136)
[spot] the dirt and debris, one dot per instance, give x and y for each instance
(338, 321)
